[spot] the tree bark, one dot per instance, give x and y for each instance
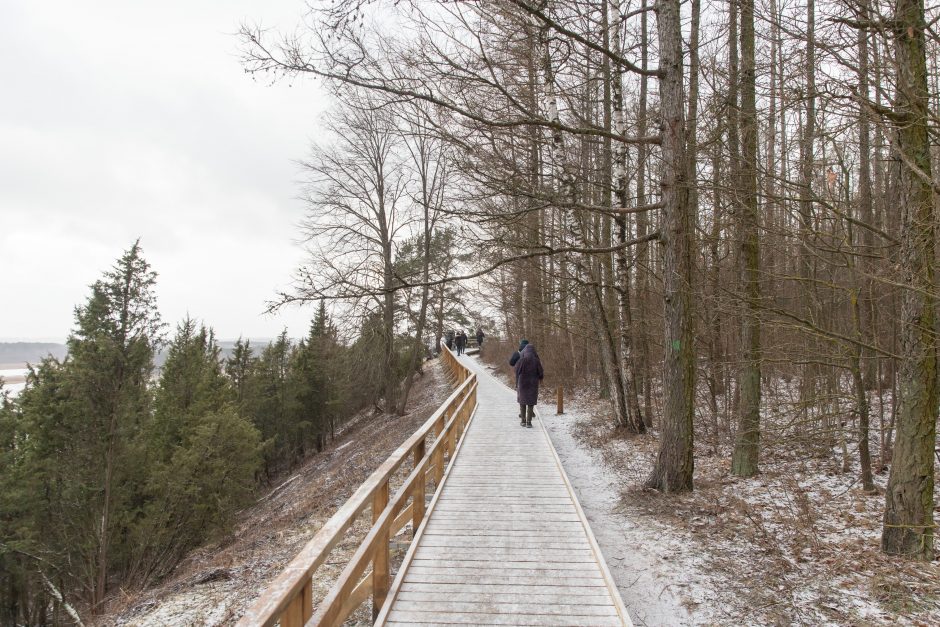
(675, 465)
(627, 363)
(908, 521)
(744, 459)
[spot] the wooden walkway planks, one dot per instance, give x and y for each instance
(505, 541)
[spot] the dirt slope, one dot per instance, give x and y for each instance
(216, 583)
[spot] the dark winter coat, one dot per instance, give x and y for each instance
(480, 336)
(517, 354)
(461, 340)
(449, 339)
(528, 375)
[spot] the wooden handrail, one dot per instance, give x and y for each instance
(288, 599)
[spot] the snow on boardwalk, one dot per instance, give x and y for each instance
(505, 541)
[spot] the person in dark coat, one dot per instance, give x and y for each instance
(449, 339)
(513, 359)
(517, 354)
(461, 342)
(529, 374)
(480, 336)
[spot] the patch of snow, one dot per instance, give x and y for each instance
(656, 568)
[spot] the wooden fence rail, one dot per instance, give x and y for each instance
(288, 600)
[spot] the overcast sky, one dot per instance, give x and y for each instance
(124, 118)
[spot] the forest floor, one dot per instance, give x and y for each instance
(796, 545)
(216, 583)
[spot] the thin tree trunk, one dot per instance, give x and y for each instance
(642, 228)
(806, 274)
(627, 365)
(744, 460)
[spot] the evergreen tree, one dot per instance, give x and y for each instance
(238, 368)
(268, 402)
(316, 373)
(202, 456)
(81, 418)
(191, 384)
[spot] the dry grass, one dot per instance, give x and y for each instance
(796, 545)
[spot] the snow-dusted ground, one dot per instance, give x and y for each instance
(796, 545)
(658, 569)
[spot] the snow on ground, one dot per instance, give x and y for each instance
(796, 545)
(658, 569)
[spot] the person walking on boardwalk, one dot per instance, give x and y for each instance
(529, 374)
(461, 342)
(516, 355)
(480, 336)
(513, 359)
(449, 339)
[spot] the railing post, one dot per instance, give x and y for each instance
(380, 583)
(438, 460)
(417, 499)
(561, 400)
(293, 616)
(307, 594)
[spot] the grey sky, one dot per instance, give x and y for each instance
(125, 118)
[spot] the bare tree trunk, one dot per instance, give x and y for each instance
(908, 520)
(642, 228)
(431, 186)
(675, 464)
(862, 371)
(744, 460)
(806, 274)
(627, 365)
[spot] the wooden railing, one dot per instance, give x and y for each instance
(288, 601)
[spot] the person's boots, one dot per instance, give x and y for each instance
(521, 415)
(528, 419)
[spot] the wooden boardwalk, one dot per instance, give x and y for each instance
(505, 541)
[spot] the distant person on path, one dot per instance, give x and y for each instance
(461, 342)
(480, 336)
(528, 375)
(449, 339)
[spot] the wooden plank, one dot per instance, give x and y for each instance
(406, 516)
(449, 588)
(380, 558)
(595, 581)
(495, 573)
(358, 596)
(511, 553)
(520, 530)
(503, 541)
(454, 618)
(506, 607)
(535, 514)
(506, 564)
(501, 597)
